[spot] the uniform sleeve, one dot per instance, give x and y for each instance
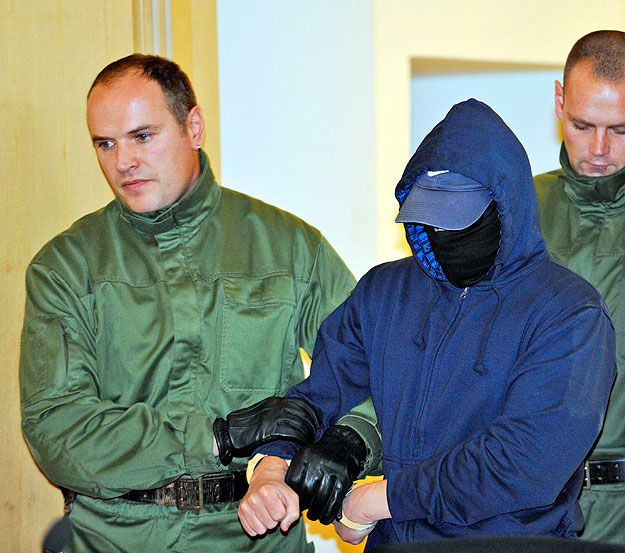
(331, 282)
(553, 412)
(92, 446)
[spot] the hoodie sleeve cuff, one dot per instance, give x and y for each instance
(284, 449)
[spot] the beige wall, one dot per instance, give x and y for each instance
(51, 51)
(531, 31)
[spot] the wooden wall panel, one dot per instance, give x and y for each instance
(51, 51)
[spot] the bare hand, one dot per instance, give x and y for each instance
(269, 500)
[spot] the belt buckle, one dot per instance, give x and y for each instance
(586, 482)
(186, 501)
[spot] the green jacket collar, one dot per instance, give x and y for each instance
(592, 189)
(189, 209)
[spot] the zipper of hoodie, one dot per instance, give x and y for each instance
(419, 431)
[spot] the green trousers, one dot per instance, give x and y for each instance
(116, 526)
(604, 513)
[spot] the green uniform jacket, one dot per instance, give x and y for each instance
(583, 221)
(140, 331)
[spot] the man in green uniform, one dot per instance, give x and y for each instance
(175, 304)
(582, 214)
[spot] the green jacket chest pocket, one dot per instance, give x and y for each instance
(258, 333)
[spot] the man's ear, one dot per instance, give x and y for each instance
(559, 100)
(195, 127)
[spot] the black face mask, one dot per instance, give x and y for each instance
(467, 255)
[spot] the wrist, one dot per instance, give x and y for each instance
(354, 521)
(266, 467)
(373, 501)
(365, 504)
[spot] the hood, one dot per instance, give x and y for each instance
(474, 141)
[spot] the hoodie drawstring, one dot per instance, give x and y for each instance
(479, 367)
(419, 338)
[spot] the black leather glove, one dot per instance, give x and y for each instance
(273, 418)
(322, 473)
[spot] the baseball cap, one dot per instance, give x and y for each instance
(445, 200)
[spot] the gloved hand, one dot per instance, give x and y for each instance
(273, 418)
(322, 473)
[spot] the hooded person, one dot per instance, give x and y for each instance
(489, 364)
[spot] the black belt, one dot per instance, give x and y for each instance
(190, 494)
(604, 472)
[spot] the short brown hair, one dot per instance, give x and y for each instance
(606, 52)
(173, 81)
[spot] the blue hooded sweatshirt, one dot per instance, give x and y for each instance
(488, 398)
